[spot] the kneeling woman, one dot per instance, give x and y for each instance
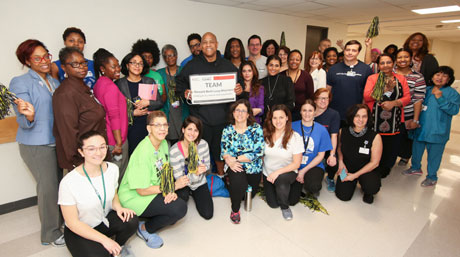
(360, 149)
(140, 187)
(242, 147)
(190, 160)
(283, 155)
(90, 206)
(316, 142)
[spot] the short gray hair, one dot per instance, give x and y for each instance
(168, 47)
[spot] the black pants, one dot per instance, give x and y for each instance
(370, 184)
(82, 247)
(202, 198)
(405, 149)
(389, 154)
(281, 194)
(161, 215)
(331, 170)
(213, 136)
(311, 181)
(238, 184)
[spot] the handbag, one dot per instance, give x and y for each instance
(216, 186)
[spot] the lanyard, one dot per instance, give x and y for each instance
(305, 145)
(95, 190)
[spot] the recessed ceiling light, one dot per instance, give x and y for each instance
(451, 8)
(450, 21)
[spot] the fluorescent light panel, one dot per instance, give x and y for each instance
(443, 9)
(450, 21)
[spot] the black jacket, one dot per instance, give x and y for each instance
(428, 67)
(211, 114)
(122, 84)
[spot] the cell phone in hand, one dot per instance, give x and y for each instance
(343, 174)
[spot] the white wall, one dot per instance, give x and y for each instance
(115, 25)
(17, 182)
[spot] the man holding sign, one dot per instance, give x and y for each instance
(209, 83)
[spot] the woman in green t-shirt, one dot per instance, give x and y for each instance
(140, 188)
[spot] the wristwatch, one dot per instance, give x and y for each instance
(236, 157)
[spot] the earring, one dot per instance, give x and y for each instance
(102, 72)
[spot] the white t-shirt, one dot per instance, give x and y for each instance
(277, 157)
(319, 78)
(75, 189)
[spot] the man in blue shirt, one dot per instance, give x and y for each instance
(347, 79)
(194, 43)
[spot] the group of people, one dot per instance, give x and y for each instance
(133, 162)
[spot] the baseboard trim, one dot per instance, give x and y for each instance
(18, 205)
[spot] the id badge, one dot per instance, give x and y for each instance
(351, 73)
(424, 108)
(159, 164)
(175, 105)
(304, 159)
(363, 150)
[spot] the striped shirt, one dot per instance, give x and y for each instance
(177, 161)
(417, 88)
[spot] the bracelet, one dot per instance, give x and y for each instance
(416, 121)
(117, 147)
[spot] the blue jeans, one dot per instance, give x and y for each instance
(434, 157)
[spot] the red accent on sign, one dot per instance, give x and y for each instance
(224, 77)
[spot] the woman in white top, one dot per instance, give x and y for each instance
(283, 155)
(90, 206)
(315, 62)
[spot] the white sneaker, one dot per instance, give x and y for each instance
(59, 242)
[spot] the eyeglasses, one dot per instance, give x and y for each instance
(159, 125)
(241, 111)
(78, 64)
(38, 59)
(93, 149)
(137, 64)
(169, 56)
(195, 45)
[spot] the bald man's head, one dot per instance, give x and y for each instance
(209, 46)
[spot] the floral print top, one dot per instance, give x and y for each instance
(250, 144)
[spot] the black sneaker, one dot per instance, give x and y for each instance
(367, 198)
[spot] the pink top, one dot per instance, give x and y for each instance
(114, 103)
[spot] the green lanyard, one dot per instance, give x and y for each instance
(95, 190)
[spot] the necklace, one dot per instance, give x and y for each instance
(270, 90)
(357, 134)
(296, 76)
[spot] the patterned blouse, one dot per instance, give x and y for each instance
(417, 87)
(250, 144)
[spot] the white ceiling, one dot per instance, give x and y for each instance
(395, 15)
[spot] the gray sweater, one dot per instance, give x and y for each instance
(177, 161)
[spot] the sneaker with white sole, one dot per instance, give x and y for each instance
(411, 171)
(287, 213)
(152, 240)
(59, 242)
(428, 182)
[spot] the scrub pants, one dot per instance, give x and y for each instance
(434, 150)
